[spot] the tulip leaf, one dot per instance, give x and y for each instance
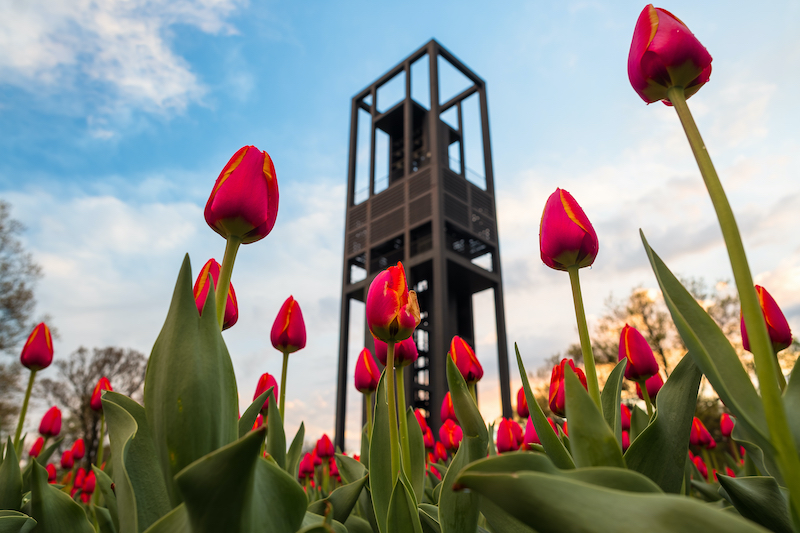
(140, 489)
(350, 469)
(592, 442)
(365, 438)
(343, 499)
(276, 438)
(547, 504)
(403, 515)
(753, 452)
(416, 445)
(550, 442)
(355, 524)
(104, 521)
(610, 399)
(15, 522)
(10, 480)
(251, 413)
(53, 510)
(104, 486)
(791, 403)
(176, 521)
(639, 421)
(280, 490)
(712, 353)
(295, 451)
(190, 390)
(760, 499)
(42, 459)
(429, 518)
(380, 475)
(501, 520)
(458, 511)
(313, 523)
(660, 450)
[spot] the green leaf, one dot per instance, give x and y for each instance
(364, 457)
(760, 499)
(314, 523)
(15, 522)
(251, 413)
(350, 469)
(53, 510)
(429, 518)
(554, 504)
(104, 486)
(276, 438)
(610, 399)
(501, 520)
(492, 447)
(104, 521)
(549, 439)
(403, 515)
(42, 459)
(275, 489)
(10, 480)
(592, 442)
(343, 499)
(754, 454)
(355, 524)
(380, 475)
(660, 450)
(190, 390)
(639, 421)
(140, 489)
(295, 451)
(791, 403)
(416, 445)
(176, 521)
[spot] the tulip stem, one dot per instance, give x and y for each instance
(368, 398)
(735, 452)
(586, 343)
(100, 447)
(760, 344)
(325, 475)
(709, 465)
(401, 413)
(473, 391)
(646, 395)
(231, 247)
(283, 382)
(393, 439)
(24, 411)
(779, 371)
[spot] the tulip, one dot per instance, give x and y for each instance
(450, 435)
(259, 422)
(67, 461)
(421, 420)
(37, 354)
(306, 468)
(80, 478)
(653, 385)
(519, 436)
(78, 450)
(466, 361)
(96, 402)
(316, 457)
(392, 310)
(51, 473)
(729, 472)
(557, 396)
(289, 331)
(778, 328)
(201, 287)
(566, 237)
(435, 471)
(726, 423)
(626, 441)
(427, 439)
(701, 466)
(89, 483)
(522, 404)
(448, 411)
(367, 373)
(531, 437)
(699, 435)
(633, 346)
(36, 449)
(431, 457)
(334, 468)
(665, 54)
(625, 416)
(440, 451)
(325, 447)
(405, 352)
(50, 425)
(264, 383)
(564, 428)
(506, 437)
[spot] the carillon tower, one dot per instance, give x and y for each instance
(420, 190)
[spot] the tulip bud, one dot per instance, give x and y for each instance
(450, 435)
(80, 477)
(522, 404)
(440, 451)
(729, 472)
(51, 473)
(699, 435)
(448, 412)
(506, 436)
(564, 429)
(778, 328)
(653, 384)
(405, 352)
(557, 395)
(96, 402)
(244, 201)
(421, 420)
(37, 353)
(264, 383)
(566, 237)
(367, 373)
(306, 468)
(435, 471)
(67, 461)
(531, 437)
(334, 469)
(289, 331)
(50, 425)
(465, 359)
(701, 466)
(201, 287)
(427, 439)
(664, 54)
(315, 457)
(641, 361)
(259, 422)
(78, 450)
(726, 423)
(89, 483)
(36, 449)
(625, 416)
(392, 310)
(626, 441)
(325, 447)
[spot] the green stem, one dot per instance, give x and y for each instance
(283, 382)
(393, 440)
(760, 345)
(325, 475)
(779, 371)
(24, 411)
(646, 396)
(368, 398)
(735, 452)
(473, 391)
(401, 413)
(100, 447)
(709, 465)
(224, 281)
(586, 343)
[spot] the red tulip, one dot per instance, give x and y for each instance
(89, 483)
(367, 372)
(78, 450)
(51, 473)
(626, 441)
(392, 310)
(506, 437)
(289, 331)
(778, 328)
(531, 437)
(264, 383)
(67, 461)
(726, 423)
(448, 412)
(427, 439)
(315, 457)
(334, 470)
(405, 352)
(664, 54)
(259, 422)
(701, 466)
(96, 402)
(244, 201)
(522, 404)
(699, 435)
(440, 451)
(557, 395)
(465, 359)
(450, 435)
(564, 428)
(625, 416)
(653, 384)
(306, 468)
(566, 237)
(325, 447)
(641, 361)
(36, 449)
(435, 471)
(37, 353)
(201, 286)
(421, 420)
(516, 429)
(50, 425)
(729, 472)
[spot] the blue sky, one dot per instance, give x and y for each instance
(116, 117)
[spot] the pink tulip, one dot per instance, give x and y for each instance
(96, 402)
(450, 435)
(566, 237)
(557, 393)
(653, 385)
(465, 359)
(37, 353)
(392, 310)
(778, 328)
(625, 416)
(324, 447)
(200, 291)
(726, 423)
(266, 381)
(522, 404)
(50, 425)
(289, 330)
(641, 361)
(506, 436)
(367, 373)
(448, 412)
(36, 449)
(405, 352)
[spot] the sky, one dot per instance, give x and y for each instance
(116, 118)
